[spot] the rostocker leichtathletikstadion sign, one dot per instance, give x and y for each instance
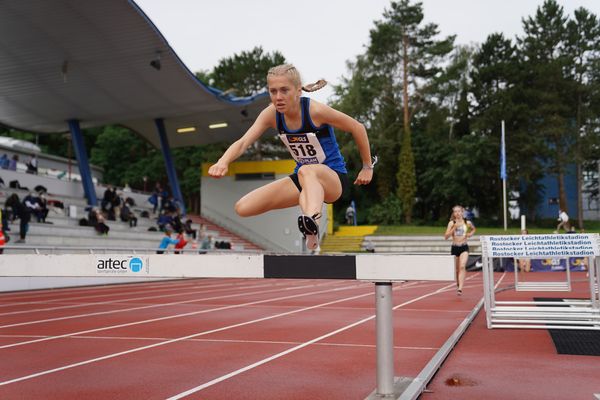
(535, 246)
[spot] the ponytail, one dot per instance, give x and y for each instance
(291, 72)
(313, 87)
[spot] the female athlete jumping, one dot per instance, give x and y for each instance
(306, 128)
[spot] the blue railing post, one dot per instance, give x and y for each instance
(82, 162)
(169, 165)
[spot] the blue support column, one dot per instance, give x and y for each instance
(169, 165)
(82, 162)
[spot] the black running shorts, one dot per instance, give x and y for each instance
(343, 180)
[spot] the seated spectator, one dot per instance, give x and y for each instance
(100, 226)
(128, 216)
(117, 203)
(107, 203)
(166, 241)
(4, 161)
(4, 214)
(181, 242)
(176, 222)
(350, 215)
(169, 204)
(2, 240)
(43, 206)
(93, 216)
(162, 196)
(40, 189)
(12, 164)
(202, 232)
(19, 210)
(4, 225)
(207, 243)
(189, 230)
(369, 247)
(164, 219)
(14, 184)
(127, 188)
(32, 167)
(153, 199)
(33, 204)
(130, 202)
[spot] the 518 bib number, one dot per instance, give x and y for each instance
(304, 148)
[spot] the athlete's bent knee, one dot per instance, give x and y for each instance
(242, 208)
(307, 171)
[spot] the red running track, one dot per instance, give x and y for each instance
(499, 364)
(217, 339)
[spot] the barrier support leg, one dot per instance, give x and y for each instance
(388, 387)
(385, 339)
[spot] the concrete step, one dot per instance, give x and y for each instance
(403, 238)
(88, 231)
(96, 242)
(360, 230)
(415, 244)
(61, 219)
(220, 232)
(336, 244)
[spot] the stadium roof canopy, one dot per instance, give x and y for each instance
(104, 62)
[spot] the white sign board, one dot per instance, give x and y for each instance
(538, 246)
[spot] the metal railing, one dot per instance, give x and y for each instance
(117, 250)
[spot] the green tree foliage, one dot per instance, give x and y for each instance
(544, 60)
(433, 112)
(241, 75)
(583, 51)
(387, 87)
(559, 59)
(127, 158)
(407, 185)
(499, 94)
(244, 74)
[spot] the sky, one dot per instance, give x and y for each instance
(320, 36)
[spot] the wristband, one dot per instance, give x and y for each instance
(372, 166)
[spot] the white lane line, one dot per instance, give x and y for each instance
(190, 313)
(154, 305)
(33, 293)
(436, 311)
(86, 290)
(118, 293)
(213, 288)
(163, 318)
(179, 339)
(291, 350)
(269, 342)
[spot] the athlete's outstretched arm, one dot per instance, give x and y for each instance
(237, 148)
(323, 114)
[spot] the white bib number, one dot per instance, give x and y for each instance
(304, 148)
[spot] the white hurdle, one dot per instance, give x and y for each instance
(577, 314)
(381, 269)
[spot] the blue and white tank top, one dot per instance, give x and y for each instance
(309, 144)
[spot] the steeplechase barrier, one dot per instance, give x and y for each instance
(381, 269)
(542, 314)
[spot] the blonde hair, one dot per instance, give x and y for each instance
(294, 75)
(460, 208)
